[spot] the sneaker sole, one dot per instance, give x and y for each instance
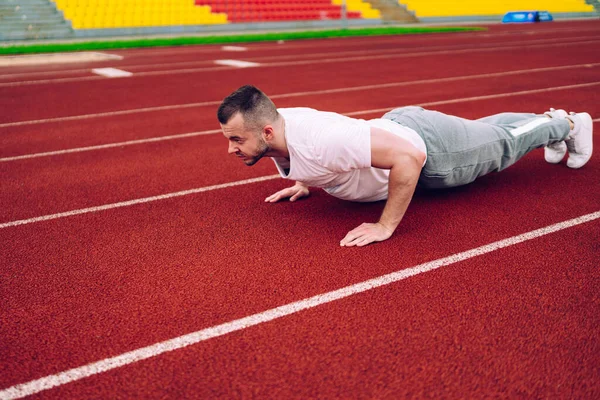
(588, 127)
(553, 155)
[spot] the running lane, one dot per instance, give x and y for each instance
(145, 59)
(57, 75)
(84, 288)
(133, 122)
(86, 97)
(47, 185)
(519, 322)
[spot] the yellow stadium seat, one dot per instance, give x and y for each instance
(361, 6)
(85, 14)
(445, 8)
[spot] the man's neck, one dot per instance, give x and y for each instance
(279, 145)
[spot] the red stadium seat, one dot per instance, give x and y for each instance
(277, 10)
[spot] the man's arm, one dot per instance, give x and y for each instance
(295, 192)
(405, 162)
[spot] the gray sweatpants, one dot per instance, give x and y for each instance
(460, 150)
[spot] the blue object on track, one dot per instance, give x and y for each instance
(526, 16)
(544, 16)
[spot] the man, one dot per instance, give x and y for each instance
(386, 158)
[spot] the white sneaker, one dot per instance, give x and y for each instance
(580, 141)
(555, 152)
(556, 114)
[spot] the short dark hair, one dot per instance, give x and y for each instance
(256, 108)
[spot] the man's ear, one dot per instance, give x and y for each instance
(268, 133)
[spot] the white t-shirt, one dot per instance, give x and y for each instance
(333, 152)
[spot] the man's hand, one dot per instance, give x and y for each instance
(405, 162)
(365, 234)
(295, 192)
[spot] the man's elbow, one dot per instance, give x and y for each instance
(406, 170)
(414, 161)
(420, 158)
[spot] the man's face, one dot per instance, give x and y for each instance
(247, 145)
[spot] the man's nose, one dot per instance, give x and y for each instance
(231, 148)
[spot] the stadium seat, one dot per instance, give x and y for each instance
(94, 14)
(445, 8)
(287, 10)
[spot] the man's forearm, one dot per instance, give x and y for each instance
(404, 161)
(403, 180)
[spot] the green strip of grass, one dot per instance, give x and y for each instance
(225, 39)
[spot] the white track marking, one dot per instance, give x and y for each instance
(404, 55)
(596, 120)
(107, 364)
(95, 78)
(237, 63)
(476, 98)
(185, 135)
(297, 94)
(305, 62)
(111, 72)
(295, 56)
(469, 49)
(234, 48)
(406, 51)
(108, 113)
(134, 202)
(301, 44)
(56, 58)
(110, 145)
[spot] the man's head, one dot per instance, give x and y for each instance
(247, 117)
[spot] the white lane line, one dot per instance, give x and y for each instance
(354, 113)
(108, 113)
(55, 58)
(307, 93)
(95, 78)
(234, 48)
(423, 50)
(310, 62)
(110, 145)
(402, 55)
(476, 98)
(237, 63)
(387, 39)
(397, 40)
(75, 374)
(136, 201)
(111, 72)
(294, 56)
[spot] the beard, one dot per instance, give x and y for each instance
(262, 149)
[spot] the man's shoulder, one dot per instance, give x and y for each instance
(297, 111)
(307, 117)
(326, 139)
(302, 126)
(290, 110)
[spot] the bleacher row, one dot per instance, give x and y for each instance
(92, 14)
(86, 14)
(276, 10)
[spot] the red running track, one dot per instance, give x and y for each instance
(197, 84)
(518, 322)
